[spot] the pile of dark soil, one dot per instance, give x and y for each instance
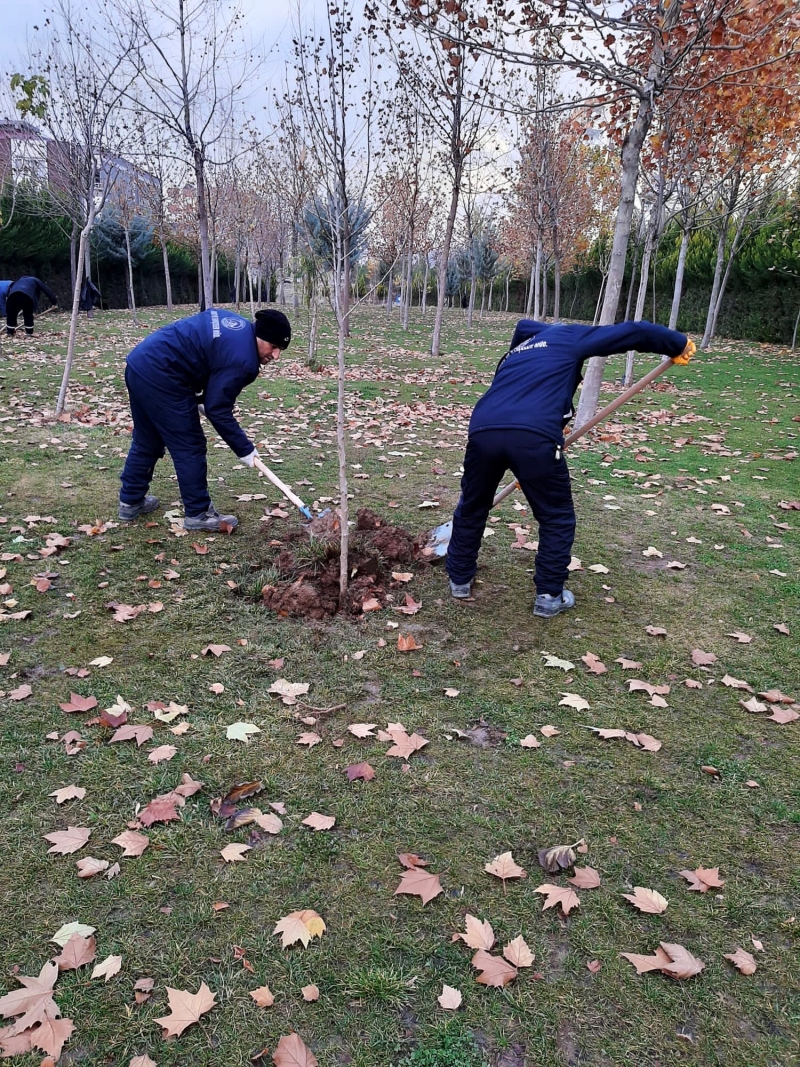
(308, 561)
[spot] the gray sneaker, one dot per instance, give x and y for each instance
(460, 592)
(209, 520)
(129, 512)
(547, 606)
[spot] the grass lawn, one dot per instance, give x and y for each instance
(696, 469)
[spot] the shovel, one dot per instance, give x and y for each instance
(439, 539)
(283, 487)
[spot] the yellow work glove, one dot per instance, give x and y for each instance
(686, 354)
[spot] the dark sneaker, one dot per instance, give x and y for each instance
(460, 592)
(209, 520)
(546, 606)
(129, 512)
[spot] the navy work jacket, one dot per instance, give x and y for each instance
(534, 383)
(31, 287)
(213, 355)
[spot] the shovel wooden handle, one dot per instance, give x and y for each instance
(284, 488)
(609, 409)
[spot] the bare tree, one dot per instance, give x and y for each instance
(87, 77)
(193, 67)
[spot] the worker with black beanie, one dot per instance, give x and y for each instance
(194, 366)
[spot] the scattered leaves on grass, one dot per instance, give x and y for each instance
(185, 1009)
(405, 744)
(557, 894)
(647, 900)
(131, 732)
(735, 683)
(263, 996)
(554, 661)
(110, 966)
(22, 692)
(65, 932)
(450, 999)
(360, 770)
(585, 878)
(627, 664)
(494, 970)
(299, 926)
(319, 822)
(70, 840)
(656, 631)
(240, 731)
(162, 754)
(310, 993)
(742, 960)
(293, 1052)
(701, 658)
(77, 952)
(703, 879)
(518, 953)
(530, 742)
(309, 738)
(594, 663)
(407, 643)
(644, 741)
(419, 883)
(132, 842)
(362, 729)
(504, 867)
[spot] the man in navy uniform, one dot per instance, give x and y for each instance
(23, 298)
(195, 365)
(518, 423)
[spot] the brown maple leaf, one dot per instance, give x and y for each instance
(682, 963)
(478, 934)
(643, 963)
(701, 658)
(504, 867)
(518, 953)
(647, 900)
(185, 1009)
(131, 732)
(215, 650)
(263, 996)
(495, 971)
(411, 859)
(50, 1037)
(450, 998)
(594, 663)
(360, 770)
(557, 894)
(585, 878)
(299, 926)
(405, 744)
(78, 703)
(292, 1051)
(67, 841)
(419, 883)
(319, 822)
(407, 643)
(160, 809)
(703, 879)
(34, 1002)
(558, 857)
(743, 960)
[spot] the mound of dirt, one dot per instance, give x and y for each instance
(308, 562)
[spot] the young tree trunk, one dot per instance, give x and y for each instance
(715, 309)
(508, 285)
(679, 272)
(425, 288)
(73, 265)
(167, 278)
(544, 291)
(312, 330)
(598, 305)
(632, 282)
(409, 289)
(715, 287)
(794, 333)
(444, 259)
(207, 293)
(341, 449)
(537, 280)
(556, 287)
(390, 290)
(631, 153)
(529, 293)
(641, 295)
(76, 299)
(281, 294)
(250, 285)
(131, 295)
(472, 286)
(237, 276)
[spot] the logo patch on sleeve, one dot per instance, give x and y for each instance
(231, 323)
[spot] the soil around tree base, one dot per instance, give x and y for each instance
(307, 560)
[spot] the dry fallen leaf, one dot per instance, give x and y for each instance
(292, 1052)
(299, 926)
(405, 744)
(162, 754)
(450, 998)
(574, 700)
(557, 894)
(495, 971)
(68, 792)
(407, 643)
(504, 867)
(240, 731)
(288, 691)
(65, 932)
(310, 993)
(215, 650)
(593, 662)
(627, 664)
(90, 866)
(319, 822)
(77, 952)
(594, 966)
(411, 859)
(142, 1061)
(518, 953)
(309, 738)
(419, 883)
(743, 639)
(558, 857)
(647, 900)
(360, 770)
(682, 963)
(656, 631)
(110, 966)
(185, 1009)
(234, 852)
(132, 842)
(742, 960)
(735, 683)
(34, 1002)
(77, 702)
(478, 934)
(701, 658)
(703, 879)
(585, 878)
(549, 731)
(130, 732)
(263, 996)
(643, 963)
(362, 729)
(67, 841)
(530, 742)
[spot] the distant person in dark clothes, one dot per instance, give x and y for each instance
(23, 298)
(90, 297)
(518, 423)
(195, 366)
(4, 287)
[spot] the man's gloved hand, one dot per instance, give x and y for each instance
(251, 459)
(686, 354)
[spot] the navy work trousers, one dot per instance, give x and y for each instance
(165, 419)
(543, 478)
(19, 304)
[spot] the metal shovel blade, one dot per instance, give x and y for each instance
(438, 541)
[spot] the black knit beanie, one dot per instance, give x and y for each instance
(274, 328)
